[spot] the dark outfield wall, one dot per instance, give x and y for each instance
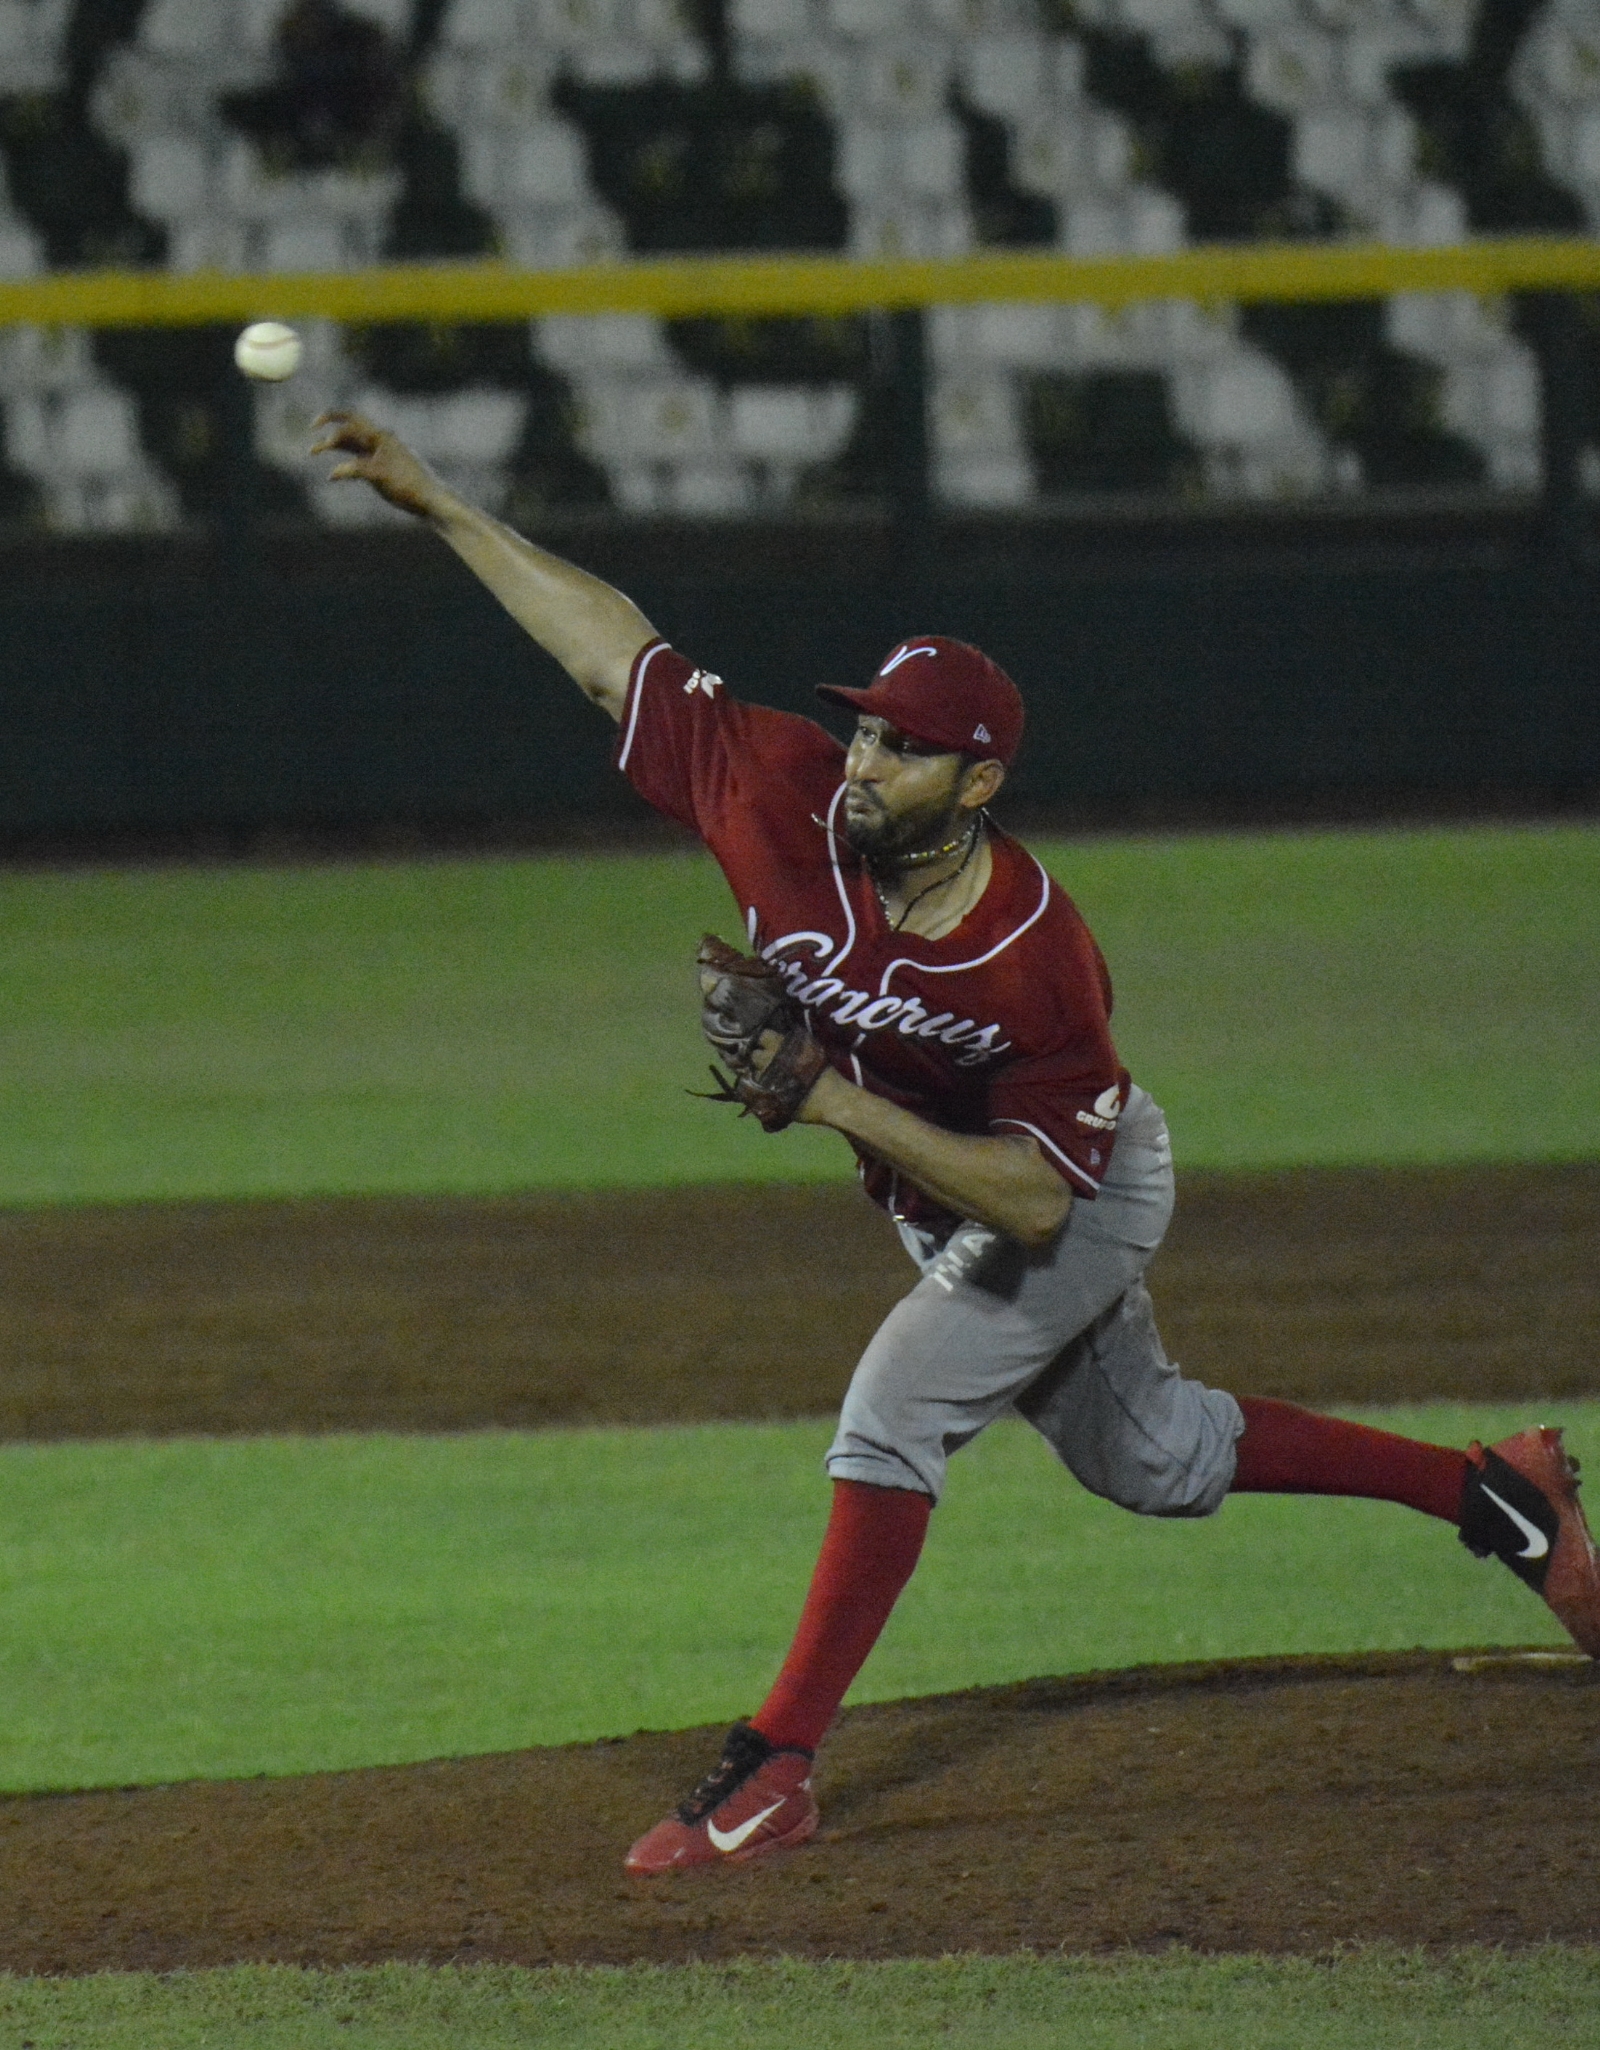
(373, 683)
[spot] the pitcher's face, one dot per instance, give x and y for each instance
(901, 795)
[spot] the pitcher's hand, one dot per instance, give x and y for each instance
(376, 457)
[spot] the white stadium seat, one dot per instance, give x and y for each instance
(1243, 413)
(191, 29)
(1561, 61)
(45, 359)
(1081, 150)
(790, 424)
(974, 412)
(20, 251)
(896, 227)
(1370, 55)
(569, 24)
(481, 25)
(1445, 327)
(1258, 16)
(781, 21)
(665, 418)
(709, 490)
(542, 164)
(604, 343)
(926, 161)
(979, 17)
(393, 16)
(868, 21)
(1494, 403)
(97, 433)
(1246, 401)
(470, 91)
(81, 445)
(479, 428)
(31, 35)
(171, 176)
(1355, 152)
(1138, 219)
(636, 62)
(1293, 70)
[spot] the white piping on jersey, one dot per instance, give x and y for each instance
(861, 1080)
(838, 881)
(956, 967)
(823, 941)
(1044, 1139)
(645, 660)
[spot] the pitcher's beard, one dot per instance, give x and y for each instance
(882, 841)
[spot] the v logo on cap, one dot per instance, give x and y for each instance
(904, 655)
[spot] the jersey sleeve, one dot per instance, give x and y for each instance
(689, 747)
(1069, 1095)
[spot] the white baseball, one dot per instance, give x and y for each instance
(269, 351)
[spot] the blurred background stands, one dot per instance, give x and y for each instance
(249, 135)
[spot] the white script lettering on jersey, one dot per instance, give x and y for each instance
(866, 1013)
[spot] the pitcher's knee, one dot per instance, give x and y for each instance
(1172, 1489)
(1184, 1469)
(854, 1458)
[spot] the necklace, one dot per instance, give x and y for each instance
(897, 924)
(926, 854)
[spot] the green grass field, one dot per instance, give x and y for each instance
(221, 1608)
(487, 1025)
(1365, 2000)
(224, 1608)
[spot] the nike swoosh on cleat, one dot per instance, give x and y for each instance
(1538, 1543)
(730, 1839)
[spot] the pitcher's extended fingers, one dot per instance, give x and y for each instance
(345, 430)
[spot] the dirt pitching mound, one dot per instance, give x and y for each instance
(1286, 1805)
(1329, 1285)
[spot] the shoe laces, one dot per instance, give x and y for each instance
(744, 1751)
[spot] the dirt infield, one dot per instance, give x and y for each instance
(1280, 1806)
(1266, 1807)
(1362, 1285)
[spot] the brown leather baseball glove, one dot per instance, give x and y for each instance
(743, 1000)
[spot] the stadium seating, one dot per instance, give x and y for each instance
(31, 38)
(20, 253)
(77, 436)
(565, 131)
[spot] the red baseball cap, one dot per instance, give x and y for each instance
(945, 694)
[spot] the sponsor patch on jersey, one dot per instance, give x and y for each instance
(702, 680)
(1107, 1109)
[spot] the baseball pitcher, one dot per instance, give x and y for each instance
(911, 978)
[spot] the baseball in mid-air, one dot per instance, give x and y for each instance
(269, 351)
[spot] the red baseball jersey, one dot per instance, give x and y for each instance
(1001, 1026)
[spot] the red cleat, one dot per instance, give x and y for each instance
(1521, 1503)
(756, 1800)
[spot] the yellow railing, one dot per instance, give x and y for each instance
(765, 285)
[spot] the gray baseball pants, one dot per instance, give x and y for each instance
(1065, 1335)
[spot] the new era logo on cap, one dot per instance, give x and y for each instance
(955, 697)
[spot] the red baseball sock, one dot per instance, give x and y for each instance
(1286, 1450)
(873, 1540)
